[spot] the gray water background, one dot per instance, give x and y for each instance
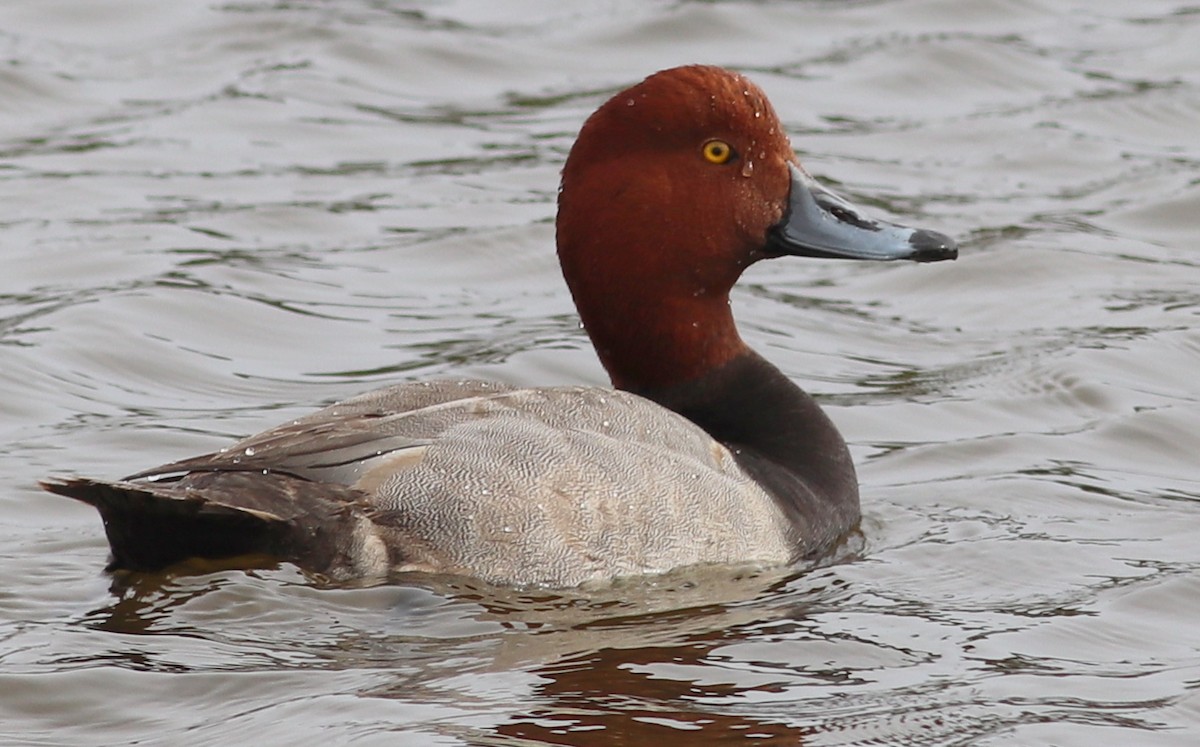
(215, 216)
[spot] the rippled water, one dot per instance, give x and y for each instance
(218, 215)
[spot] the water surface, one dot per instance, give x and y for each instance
(217, 216)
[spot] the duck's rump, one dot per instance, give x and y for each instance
(225, 514)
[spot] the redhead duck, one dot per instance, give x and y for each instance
(703, 453)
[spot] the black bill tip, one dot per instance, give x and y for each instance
(931, 246)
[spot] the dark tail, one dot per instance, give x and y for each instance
(151, 526)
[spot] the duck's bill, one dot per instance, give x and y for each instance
(821, 224)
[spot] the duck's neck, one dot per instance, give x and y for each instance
(680, 348)
(780, 437)
(648, 342)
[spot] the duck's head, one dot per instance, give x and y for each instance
(672, 189)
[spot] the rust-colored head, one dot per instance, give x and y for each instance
(672, 189)
(654, 227)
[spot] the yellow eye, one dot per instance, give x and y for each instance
(717, 151)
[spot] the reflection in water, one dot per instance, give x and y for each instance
(610, 698)
(593, 659)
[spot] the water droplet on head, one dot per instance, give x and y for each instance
(629, 102)
(249, 451)
(748, 168)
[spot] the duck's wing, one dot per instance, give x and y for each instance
(553, 486)
(334, 444)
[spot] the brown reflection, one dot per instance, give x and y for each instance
(634, 663)
(603, 663)
(605, 699)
